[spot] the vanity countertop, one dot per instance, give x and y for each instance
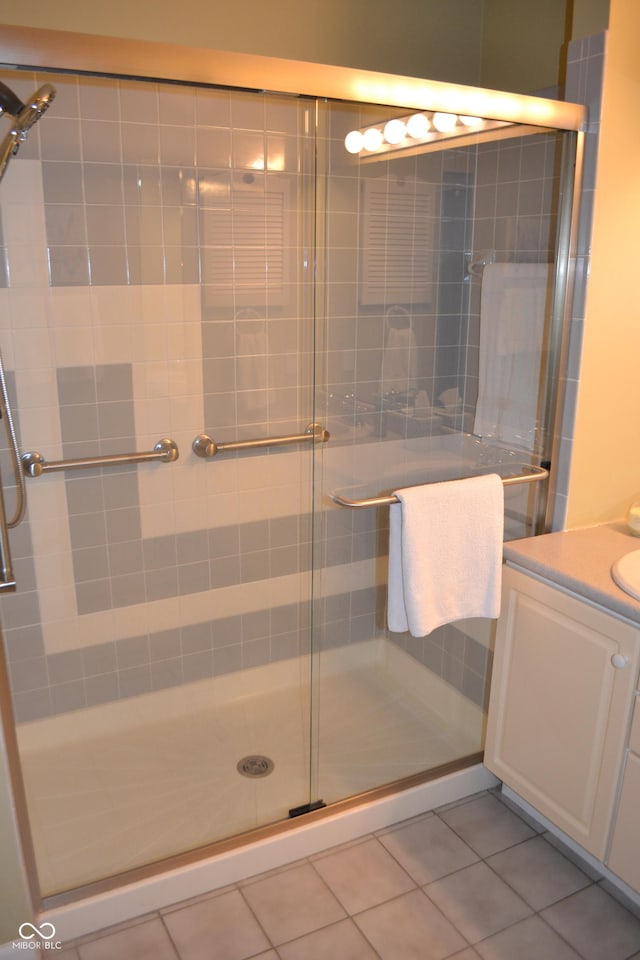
(581, 560)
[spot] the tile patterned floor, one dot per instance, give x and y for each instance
(470, 881)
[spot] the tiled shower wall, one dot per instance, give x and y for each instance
(154, 284)
(155, 281)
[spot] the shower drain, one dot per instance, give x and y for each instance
(255, 766)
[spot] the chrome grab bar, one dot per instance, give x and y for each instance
(204, 446)
(385, 500)
(34, 464)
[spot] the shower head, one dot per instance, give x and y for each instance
(24, 116)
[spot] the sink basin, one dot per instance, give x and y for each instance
(626, 573)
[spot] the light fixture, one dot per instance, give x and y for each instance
(395, 131)
(444, 122)
(418, 132)
(354, 141)
(418, 126)
(372, 139)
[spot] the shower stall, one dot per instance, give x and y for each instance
(228, 340)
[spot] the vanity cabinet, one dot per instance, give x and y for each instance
(562, 693)
(624, 857)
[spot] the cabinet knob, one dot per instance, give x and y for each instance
(619, 660)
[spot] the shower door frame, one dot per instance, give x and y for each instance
(49, 50)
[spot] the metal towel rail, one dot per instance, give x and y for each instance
(34, 464)
(204, 446)
(385, 500)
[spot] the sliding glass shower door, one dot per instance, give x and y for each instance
(157, 247)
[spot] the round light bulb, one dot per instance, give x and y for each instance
(418, 126)
(395, 131)
(354, 141)
(444, 122)
(470, 121)
(372, 139)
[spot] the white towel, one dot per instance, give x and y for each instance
(445, 553)
(399, 362)
(513, 312)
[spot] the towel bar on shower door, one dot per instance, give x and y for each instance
(34, 464)
(385, 500)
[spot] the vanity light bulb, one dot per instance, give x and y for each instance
(444, 122)
(470, 121)
(418, 126)
(395, 131)
(372, 139)
(354, 141)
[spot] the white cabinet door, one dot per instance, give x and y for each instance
(624, 858)
(562, 690)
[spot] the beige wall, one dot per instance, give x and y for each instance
(605, 471)
(522, 44)
(589, 17)
(426, 38)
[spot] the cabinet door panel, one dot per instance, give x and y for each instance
(559, 707)
(625, 848)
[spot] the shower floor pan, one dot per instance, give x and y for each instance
(115, 787)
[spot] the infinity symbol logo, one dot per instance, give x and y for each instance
(37, 931)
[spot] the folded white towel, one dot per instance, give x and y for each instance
(445, 553)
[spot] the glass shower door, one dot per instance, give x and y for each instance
(404, 241)
(155, 284)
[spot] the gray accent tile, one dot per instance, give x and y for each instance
(65, 666)
(166, 673)
(126, 557)
(28, 674)
(132, 652)
(101, 689)
(93, 596)
(68, 696)
(165, 645)
(90, 563)
(159, 552)
(162, 583)
(99, 659)
(68, 266)
(32, 705)
(128, 589)
(193, 577)
(193, 546)
(123, 524)
(23, 643)
(135, 681)
(197, 666)
(227, 659)
(62, 182)
(196, 638)
(226, 631)
(108, 265)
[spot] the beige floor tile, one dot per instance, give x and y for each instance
(477, 901)
(363, 876)
(487, 825)
(531, 939)
(292, 903)
(597, 926)
(538, 872)
(146, 941)
(340, 941)
(428, 849)
(409, 928)
(222, 926)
